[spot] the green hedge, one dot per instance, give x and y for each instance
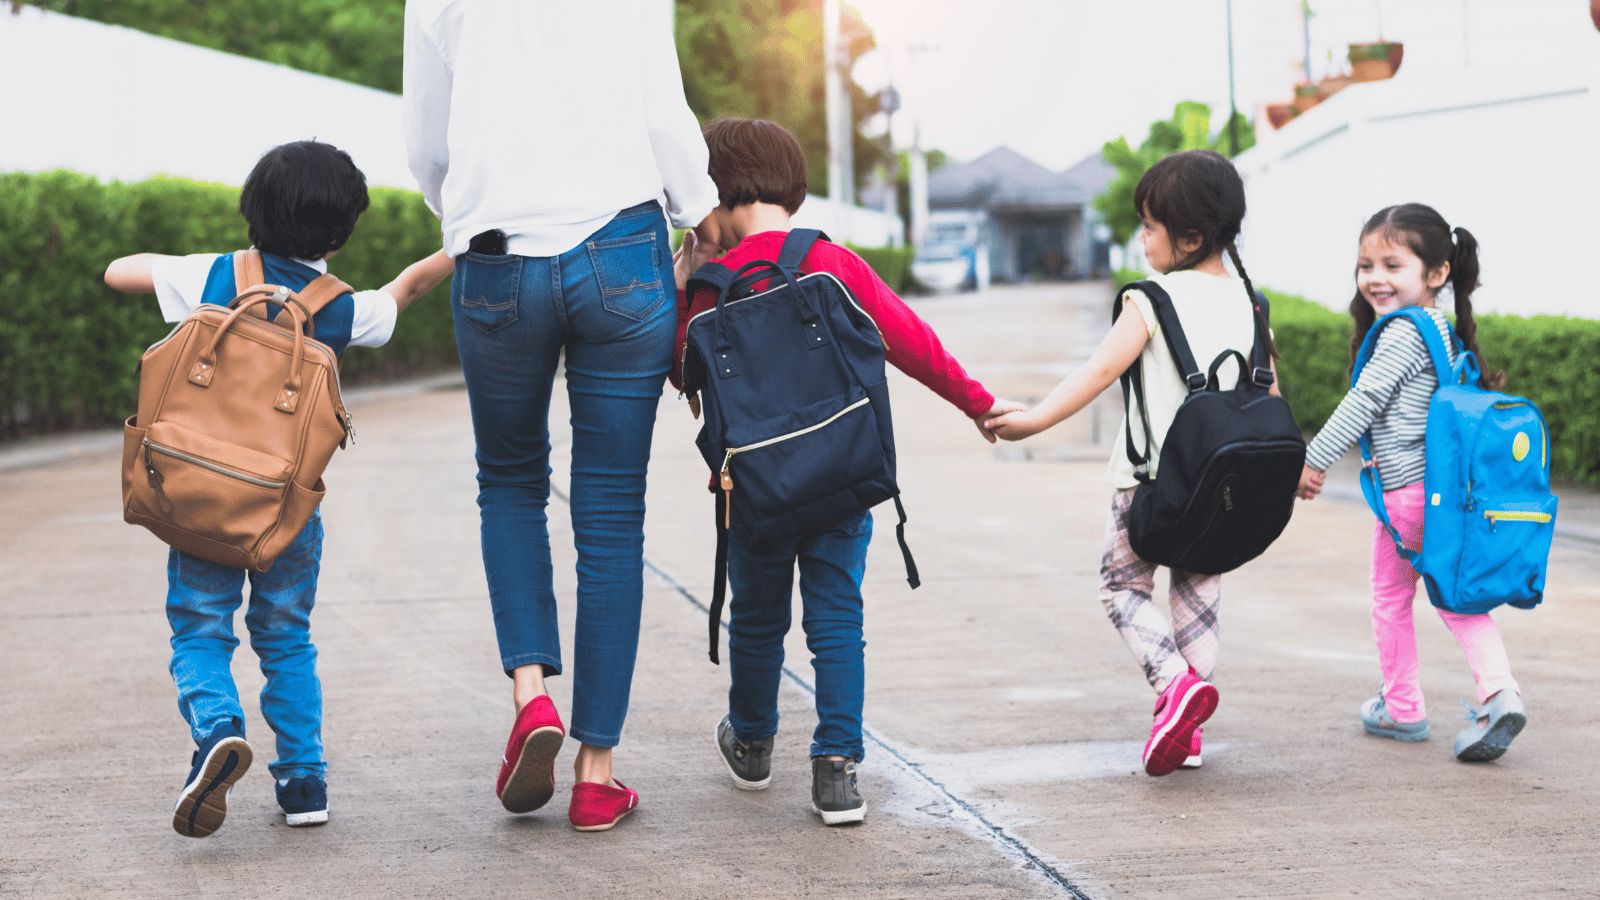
(68, 343)
(893, 264)
(1552, 360)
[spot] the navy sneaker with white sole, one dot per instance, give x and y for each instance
(304, 801)
(221, 760)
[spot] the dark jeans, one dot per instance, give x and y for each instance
(607, 304)
(832, 565)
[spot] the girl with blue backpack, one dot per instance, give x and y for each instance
(1401, 343)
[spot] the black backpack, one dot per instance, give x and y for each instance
(1230, 463)
(797, 428)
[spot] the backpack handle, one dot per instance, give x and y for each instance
(1223, 357)
(808, 312)
(205, 368)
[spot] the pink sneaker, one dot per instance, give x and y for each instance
(528, 770)
(1183, 706)
(1192, 761)
(599, 807)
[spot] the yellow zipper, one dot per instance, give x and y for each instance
(1507, 515)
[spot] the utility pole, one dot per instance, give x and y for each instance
(1233, 107)
(841, 163)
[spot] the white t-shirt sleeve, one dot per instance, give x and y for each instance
(1147, 312)
(180, 282)
(373, 322)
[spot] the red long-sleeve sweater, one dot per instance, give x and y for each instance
(913, 347)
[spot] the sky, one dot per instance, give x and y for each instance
(1055, 79)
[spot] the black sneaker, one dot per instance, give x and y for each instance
(223, 757)
(749, 762)
(834, 795)
(304, 801)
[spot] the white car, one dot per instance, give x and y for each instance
(942, 268)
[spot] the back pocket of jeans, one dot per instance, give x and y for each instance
(628, 270)
(486, 289)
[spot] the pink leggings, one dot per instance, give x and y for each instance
(1394, 586)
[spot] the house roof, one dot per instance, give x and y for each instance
(1005, 179)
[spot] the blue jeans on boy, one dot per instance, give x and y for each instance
(607, 304)
(832, 566)
(201, 599)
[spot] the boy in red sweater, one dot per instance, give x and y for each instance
(759, 170)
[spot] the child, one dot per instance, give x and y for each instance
(759, 170)
(301, 202)
(1407, 254)
(1192, 206)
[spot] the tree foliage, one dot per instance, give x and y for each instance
(1189, 128)
(764, 59)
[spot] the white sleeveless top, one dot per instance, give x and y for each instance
(1217, 315)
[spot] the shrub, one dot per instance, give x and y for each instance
(68, 343)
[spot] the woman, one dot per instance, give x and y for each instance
(544, 136)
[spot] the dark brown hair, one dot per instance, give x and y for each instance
(756, 161)
(1421, 229)
(1199, 194)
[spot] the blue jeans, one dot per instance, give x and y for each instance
(201, 599)
(607, 304)
(832, 565)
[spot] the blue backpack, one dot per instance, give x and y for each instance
(1490, 515)
(790, 372)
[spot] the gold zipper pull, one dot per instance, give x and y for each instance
(154, 475)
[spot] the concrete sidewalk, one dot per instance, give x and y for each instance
(1006, 714)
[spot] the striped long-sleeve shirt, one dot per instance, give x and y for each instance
(1391, 397)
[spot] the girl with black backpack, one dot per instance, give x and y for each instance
(1192, 205)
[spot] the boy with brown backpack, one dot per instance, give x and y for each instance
(239, 412)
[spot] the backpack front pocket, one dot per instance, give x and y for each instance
(208, 486)
(780, 465)
(1505, 545)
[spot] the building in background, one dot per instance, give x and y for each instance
(1032, 223)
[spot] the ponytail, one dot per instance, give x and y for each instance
(1263, 328)
(1463, 281)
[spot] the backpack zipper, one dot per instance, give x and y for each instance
(847, 296)
(1496, 516)
(727, 459)
(156, 478)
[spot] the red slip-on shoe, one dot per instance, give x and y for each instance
(528, 770)
(599, 807)
(1185, 705)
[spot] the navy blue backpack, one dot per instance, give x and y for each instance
(1490, 518)
(790, 372)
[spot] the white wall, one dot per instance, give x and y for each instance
(1508, 154)
(123, 105)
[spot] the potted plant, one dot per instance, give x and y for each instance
(1279, 114)
(1306, 96)
(1333, 84)
(1375, 61)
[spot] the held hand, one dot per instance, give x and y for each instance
(1000, 407)
(1311, 482)
(1016, 425)
(707, 233)
(692, 254)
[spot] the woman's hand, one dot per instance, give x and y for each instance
(692, 254)
(1000, 408)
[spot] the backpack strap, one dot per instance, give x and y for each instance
(912, 578)
(248, 272)
(719, 580)
(712, 276)
(1133, 378)
(796, 246)
(1371, 480)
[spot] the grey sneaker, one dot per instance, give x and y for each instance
(1493, 728)
(834, 796)
(749, 762)
(1375, 719)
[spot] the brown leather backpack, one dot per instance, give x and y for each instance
(238, 417)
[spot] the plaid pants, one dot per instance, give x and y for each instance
(1164, 649)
